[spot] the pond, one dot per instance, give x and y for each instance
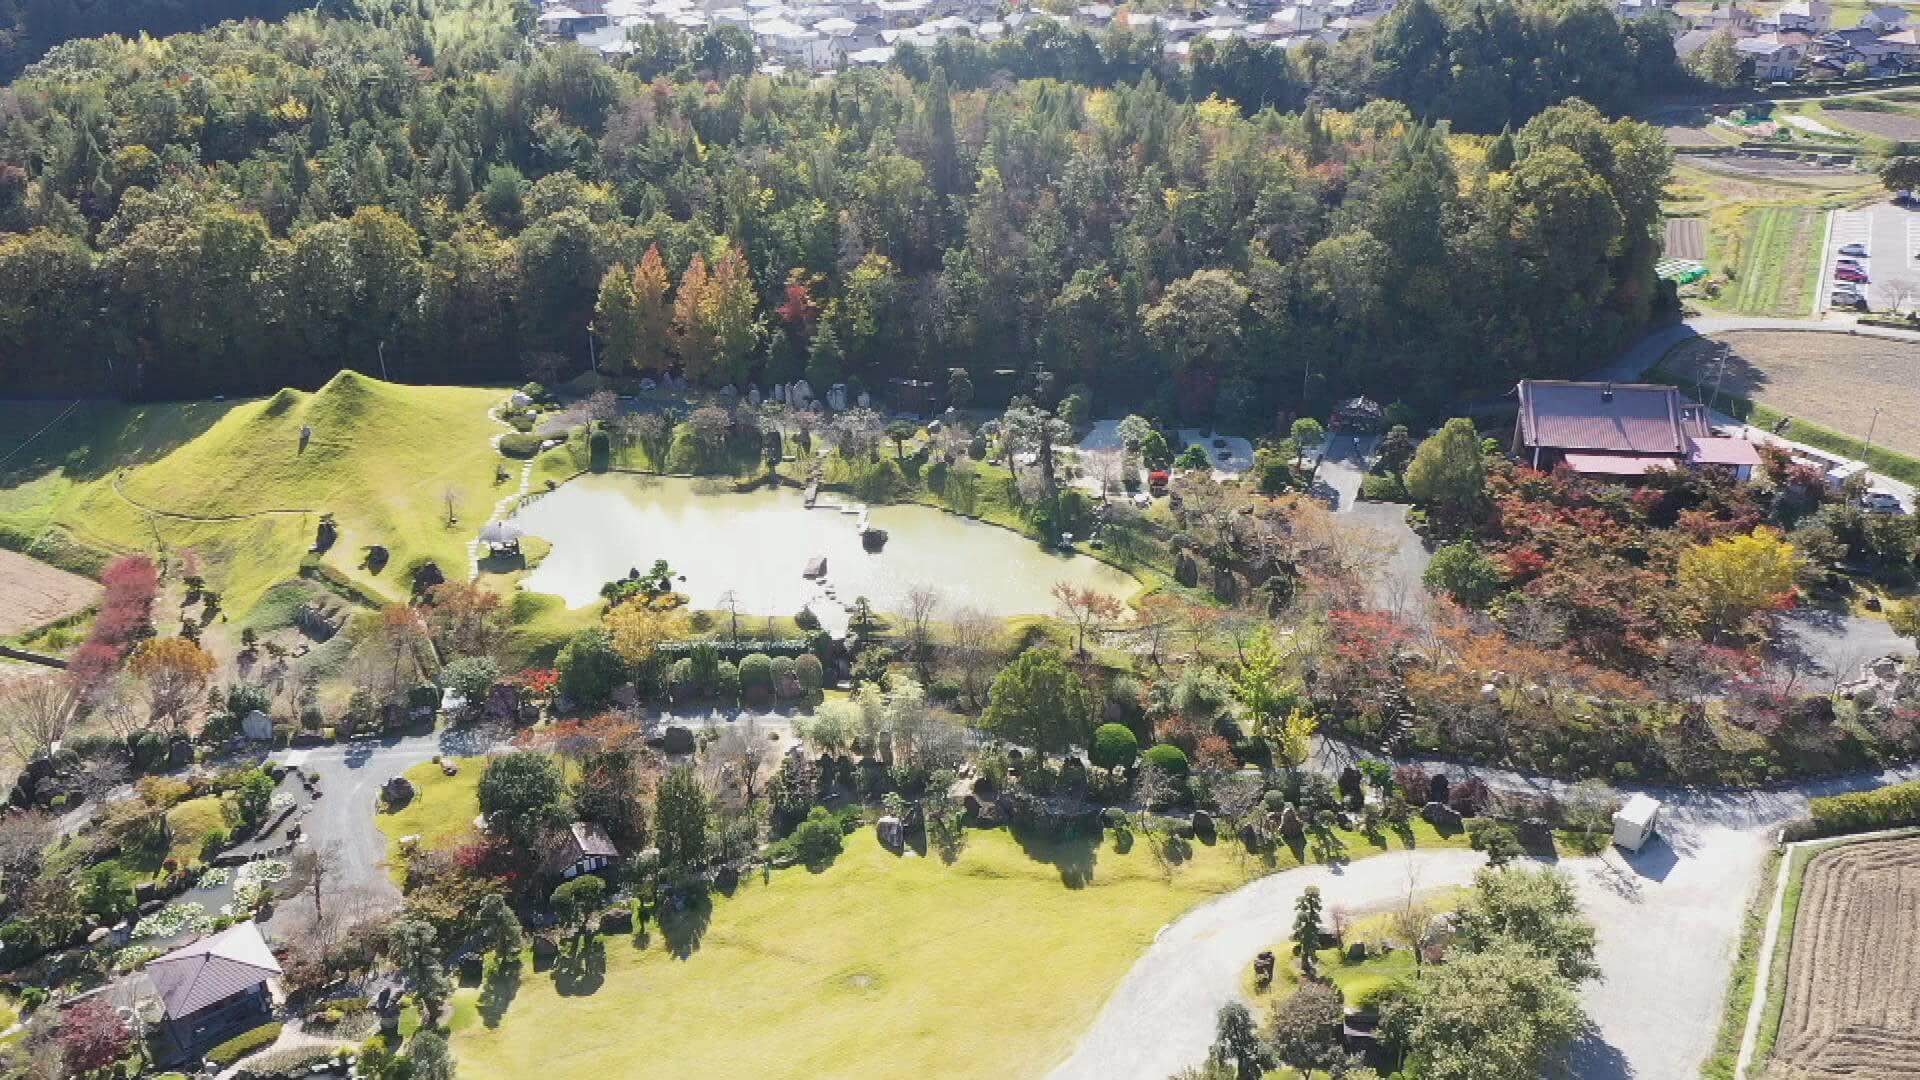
(757, 544)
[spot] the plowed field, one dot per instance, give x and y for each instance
(1853, 989)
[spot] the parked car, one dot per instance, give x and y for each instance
(1855, 263)
(1881, 502)
(1853, 300)
(1848, 273)
(1858, 250)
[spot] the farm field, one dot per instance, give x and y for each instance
(1850, 990)
(1834, 380)
(1898, 126)
(33, 594)
(1779, 265)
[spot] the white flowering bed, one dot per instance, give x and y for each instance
(173, 919)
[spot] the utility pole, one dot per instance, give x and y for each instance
(1871, 424)
(383, 362)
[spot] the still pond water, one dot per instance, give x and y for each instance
(758, 543)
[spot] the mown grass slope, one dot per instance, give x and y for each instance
(380, 459)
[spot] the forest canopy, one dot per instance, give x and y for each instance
(262, 204)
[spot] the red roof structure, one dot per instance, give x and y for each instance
(1582, 422)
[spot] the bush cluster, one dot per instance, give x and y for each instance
(1861, 811)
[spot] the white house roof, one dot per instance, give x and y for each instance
(870, 56)
(836, 26)
(559, 14)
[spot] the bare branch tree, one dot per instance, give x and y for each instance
(922, 600)
(36, 713)
(973, 647)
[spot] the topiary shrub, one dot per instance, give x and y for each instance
(812, 674)
(756, 674)
(1115, 745)
(1168, 757)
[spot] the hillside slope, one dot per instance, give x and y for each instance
(245, 495)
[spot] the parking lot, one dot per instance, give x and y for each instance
(1891, 235)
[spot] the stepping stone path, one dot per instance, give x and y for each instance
(505, 503)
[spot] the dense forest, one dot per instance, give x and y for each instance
(264, 203)
(28, 28)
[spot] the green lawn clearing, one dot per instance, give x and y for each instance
(189, 822)
(1354, 980)
(443, 808)
(878, 966)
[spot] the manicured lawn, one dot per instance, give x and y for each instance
(878, 966)
(1354, 980)
(380, 459)
(1773, 275)
(442, 809)
(188, 824)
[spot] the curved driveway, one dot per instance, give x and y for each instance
(1668, 918)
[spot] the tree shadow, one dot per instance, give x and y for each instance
(581, 969)
(498, 990)
(1073, 854)
(97, 436)
(683, 927)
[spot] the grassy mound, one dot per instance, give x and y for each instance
(380, 458)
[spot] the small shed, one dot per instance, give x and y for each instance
(1635, 822)
(1358, 414)
(582, 848)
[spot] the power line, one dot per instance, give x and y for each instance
(42, 431)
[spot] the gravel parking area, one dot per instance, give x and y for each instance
(1837, 381)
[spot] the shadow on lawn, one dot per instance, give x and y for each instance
(684, 926)
(582, 969)
(1074, 854)
(497, 992)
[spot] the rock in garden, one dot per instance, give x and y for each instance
(617, 921)
(398, 791)
(678, 740)
(1203, 826)
(1440, 815)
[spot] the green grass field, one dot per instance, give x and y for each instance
(381, 458)
(879, 965)
(188, 824)
(442, 809)
(1776, 275)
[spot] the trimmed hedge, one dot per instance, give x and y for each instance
(521, 445)
(1860, 811)
(243, 1044)
(1168, 757)
(739, 650)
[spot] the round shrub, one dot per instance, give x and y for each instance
(726, 681)
(812, 673)
(786, 676)
(756, 674)
(1115, 745)
(1168, 757)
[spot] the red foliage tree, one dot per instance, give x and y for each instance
(93, 1036)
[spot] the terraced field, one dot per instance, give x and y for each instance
(1853, 993)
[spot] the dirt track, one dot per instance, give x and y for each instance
(1887, 125)
(1834, 380)
(1853, 994)
(34, 594)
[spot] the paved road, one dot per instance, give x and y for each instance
(350, 776)
(1343, 466)
(1891, 235)
(1682, 896)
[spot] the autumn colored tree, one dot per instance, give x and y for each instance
(1086, 608)
(633, 316)
(92, 1036)
(1736, 578)
(716, 324)
(689, 338)
(798, 309)
(638, 629)
(467, 619)
(172, 674)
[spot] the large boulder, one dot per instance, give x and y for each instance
(1441, 816)
(677, 740)
(617, 920)
(397, 791)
